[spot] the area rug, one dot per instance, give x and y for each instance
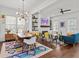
(39, 51)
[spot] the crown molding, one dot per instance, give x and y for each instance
(43, 5)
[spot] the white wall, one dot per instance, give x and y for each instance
(14, 24)
(54, 11)
(7, 11)
(2, 29)
(66, 18)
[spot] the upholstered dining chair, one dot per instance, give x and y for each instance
(18, 40)
(31, 43)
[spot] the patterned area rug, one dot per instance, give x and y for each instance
(8, 51)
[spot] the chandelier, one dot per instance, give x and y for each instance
(22, 14)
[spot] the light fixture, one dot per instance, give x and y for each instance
(22, 14)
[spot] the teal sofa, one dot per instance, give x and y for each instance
(73, 39)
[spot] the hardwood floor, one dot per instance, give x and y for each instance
(61, 51)
(0, 46)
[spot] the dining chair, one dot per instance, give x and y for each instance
(18, 40)
(31, 43)
(56, 38)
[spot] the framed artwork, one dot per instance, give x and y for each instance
(62, 24)
(45, 22)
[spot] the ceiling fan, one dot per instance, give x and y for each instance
(63, 11)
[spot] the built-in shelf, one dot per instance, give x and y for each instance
(44, 26)
(34, 30)
(35, 26)
(34, 23)
(33, 17)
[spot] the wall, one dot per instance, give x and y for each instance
(13, 24)
(45, 28)
(54, 11)
(2, 29)
(7, 11)
(66, 18)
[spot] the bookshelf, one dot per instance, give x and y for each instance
(34, 23)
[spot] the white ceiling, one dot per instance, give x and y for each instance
(11, 6)
(54, 9)
(29, 4)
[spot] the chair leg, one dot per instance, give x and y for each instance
(73, 45)
(32, 48)
(34, 45)
(23, 47)
(56, 42)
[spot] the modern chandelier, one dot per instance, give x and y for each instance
(22, 14)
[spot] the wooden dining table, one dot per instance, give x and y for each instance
(25, 36)
(21, 38)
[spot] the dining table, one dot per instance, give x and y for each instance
(20, 38)
(28, 36)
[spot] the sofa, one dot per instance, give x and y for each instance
(72, 39)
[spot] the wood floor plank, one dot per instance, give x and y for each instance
(63, 52)
(0, 46)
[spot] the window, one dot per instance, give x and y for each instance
(11, 23)
(14, 24)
